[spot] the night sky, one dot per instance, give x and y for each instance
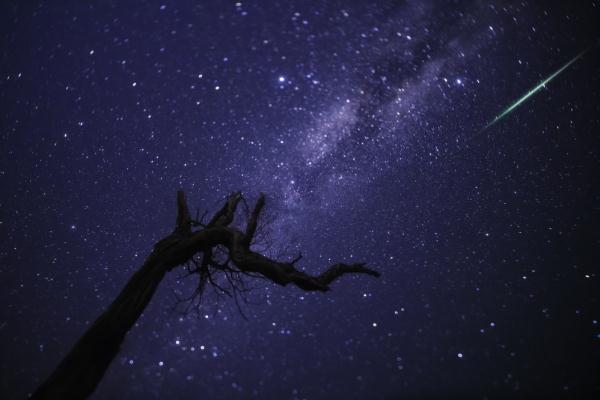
(362, 123)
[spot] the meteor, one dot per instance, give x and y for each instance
(527, 95)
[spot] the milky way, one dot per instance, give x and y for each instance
(362, 124)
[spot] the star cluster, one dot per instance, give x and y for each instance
(361, 122)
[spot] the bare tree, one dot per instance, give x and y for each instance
(81, 370)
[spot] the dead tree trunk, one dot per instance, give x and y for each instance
(79, 373)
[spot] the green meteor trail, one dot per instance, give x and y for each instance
(533, 91)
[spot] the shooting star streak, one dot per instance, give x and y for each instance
(527, 95)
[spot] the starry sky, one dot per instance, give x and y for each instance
(362, 122)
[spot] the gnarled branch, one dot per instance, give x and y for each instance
(183, 225)
(225, 215)
(253, 220)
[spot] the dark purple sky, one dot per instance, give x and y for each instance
(362, 124)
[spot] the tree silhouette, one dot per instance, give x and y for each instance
(81, 370)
